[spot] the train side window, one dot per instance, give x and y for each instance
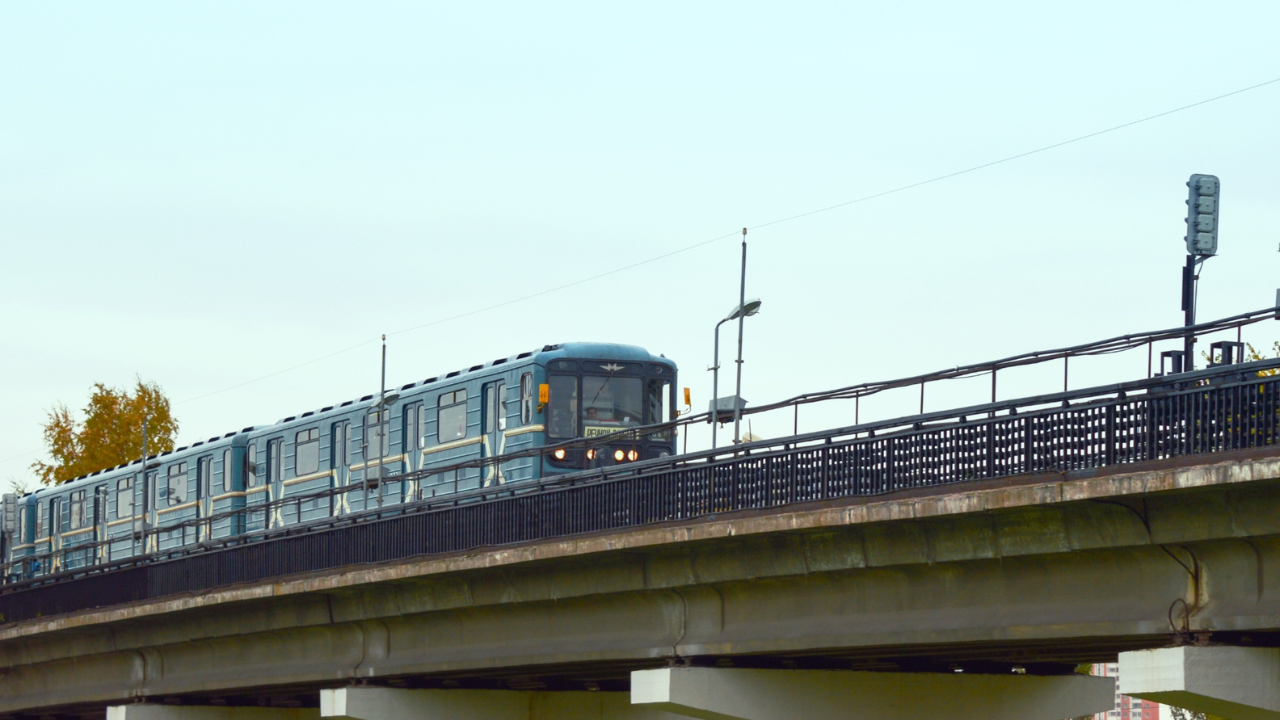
(275, 460)
(410, 433)
(338, 445)
(124, 498)
(526, 398)
(51, 521)
(659, 406)
(376, 440)
(176, 490)
(306, 452)
(77, 519)
(251, 465)
(451, 416)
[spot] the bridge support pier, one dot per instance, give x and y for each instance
(367, 703)
(728, 694)
(207, 712)
(1229, 682)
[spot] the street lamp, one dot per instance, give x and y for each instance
(747, 309)
(381, 410)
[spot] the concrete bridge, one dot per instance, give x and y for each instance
(975, 600)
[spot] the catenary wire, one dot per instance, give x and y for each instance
(704, 243)
(769, 223)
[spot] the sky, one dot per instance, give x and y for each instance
(235, 200)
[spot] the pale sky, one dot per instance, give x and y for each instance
(207, 194)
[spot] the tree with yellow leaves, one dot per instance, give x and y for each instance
(1253, 355)
(111, 433)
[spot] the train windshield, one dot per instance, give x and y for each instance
(595, 404)
(610, 404)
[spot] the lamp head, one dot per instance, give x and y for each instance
(391, 398)
(751, 307)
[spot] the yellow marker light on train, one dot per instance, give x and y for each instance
(559, 454)
(618, 455)
(544, 393)
(688, 399)
(633, 456)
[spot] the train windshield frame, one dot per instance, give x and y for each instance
(592, 403)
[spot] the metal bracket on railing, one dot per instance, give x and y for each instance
(1177, 361)
(1226, 352)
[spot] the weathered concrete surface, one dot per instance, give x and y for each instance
(1240, 683)
(738, 694)
(397, 704)
(1050, 569)
(172, 712)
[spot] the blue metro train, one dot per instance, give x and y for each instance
(235, 482)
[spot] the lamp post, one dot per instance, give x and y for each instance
(381, 410)
(742, 318)
(747, 309)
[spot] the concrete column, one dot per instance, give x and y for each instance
(1229, 682)
(369, 703)
(729, 694)
(208, 712)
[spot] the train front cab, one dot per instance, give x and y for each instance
(593, 396)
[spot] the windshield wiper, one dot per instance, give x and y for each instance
(603, 385)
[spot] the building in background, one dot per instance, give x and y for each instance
(1126, 708)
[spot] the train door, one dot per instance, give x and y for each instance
(339, 434)
(55, 530)
(102, 553)
(410, 444)
(204, 497)
(150, 540)
(275, 481)
(495, 425)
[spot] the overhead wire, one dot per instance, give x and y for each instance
(778, 221)
(703, 243)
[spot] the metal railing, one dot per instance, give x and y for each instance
(1221, 409)
(198, 534)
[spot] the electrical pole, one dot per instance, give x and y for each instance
(742, 318)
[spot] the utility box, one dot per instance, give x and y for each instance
(723, 407)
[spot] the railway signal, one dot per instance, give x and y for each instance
(1202, 215)
(1203, 206)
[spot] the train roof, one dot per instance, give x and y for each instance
(604, 351)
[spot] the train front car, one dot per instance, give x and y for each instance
(598, 390)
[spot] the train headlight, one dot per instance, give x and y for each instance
(633, 456)
(618, 455)
(591, 454)
(558, 454)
